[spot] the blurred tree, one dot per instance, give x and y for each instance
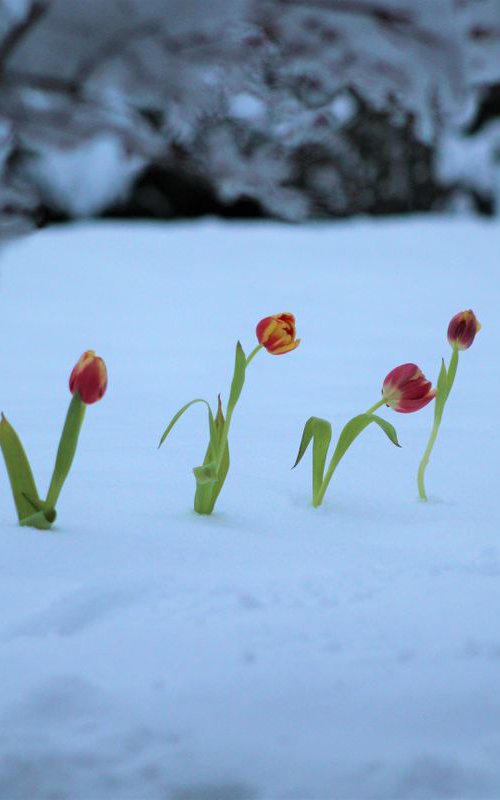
(292, 108)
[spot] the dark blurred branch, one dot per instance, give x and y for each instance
(366, 9)
(48, 83)
(17, 32)
(400, 22)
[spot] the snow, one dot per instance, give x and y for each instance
(271, 651)
(88, 177)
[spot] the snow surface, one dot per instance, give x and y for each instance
(271, 651)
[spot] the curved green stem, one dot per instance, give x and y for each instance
(438, 415)
(374, 407)
(318, 499)
(254, 353)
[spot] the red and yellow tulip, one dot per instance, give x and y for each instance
(277, 333)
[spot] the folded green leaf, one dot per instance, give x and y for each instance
(320, 431)
(181, 412)
(207, 492)
(206, 474)
(42, 520)
(21, 478)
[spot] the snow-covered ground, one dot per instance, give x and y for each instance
(271, 651)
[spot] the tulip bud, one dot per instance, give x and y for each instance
(277, 333)
(406, 389)
(89, 377)
(462, 329)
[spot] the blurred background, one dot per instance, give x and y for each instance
(288, 109)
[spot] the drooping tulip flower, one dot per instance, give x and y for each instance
(89, 377)
(462, 329)
(406, 389)
(87, 383)
(277, 333)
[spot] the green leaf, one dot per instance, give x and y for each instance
(320, 431)
(352, 430)
(21, 478)
(207, 473)
(67, 448)
(442, 392)
(42, 520)
(207, 493)
(181, 412)
(240, 364)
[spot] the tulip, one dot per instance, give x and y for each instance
(406, 389)
(277, 333)
(89, 377)
(87, 383)
(461, 333)
(462, 329)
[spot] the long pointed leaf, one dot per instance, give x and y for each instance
(240, 364)
(31, 510)
(179, 414)
(442, 392)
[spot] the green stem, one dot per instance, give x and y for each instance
(438, 415)
(318, 499)
(229, 415)
(254, 353)
(374, 407)
(67, 448)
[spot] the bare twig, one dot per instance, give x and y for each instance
(17, 32)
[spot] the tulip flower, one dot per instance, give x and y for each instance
(277, 335)
(461, 333)
(89, 377)
(462, 329)
(87, 383)
(405, 389)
